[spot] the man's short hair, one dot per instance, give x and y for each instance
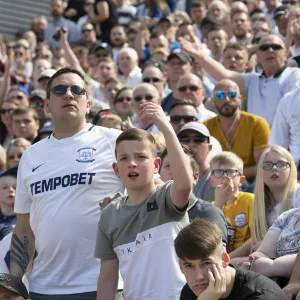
(237, 47)
(193, 157)
(181, 102)
(22, 110)
(113, 79)
(196, 4)
(228, 158)
(215, 28)
(239, 11)
(107, 59)
(198, 240)
(155, 35)
(61, 72)
(207, 21)
(137, 134)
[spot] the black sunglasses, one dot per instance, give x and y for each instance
(4, 111)
(219, 173)
(186, 119)
(195, 139)
(140, 98)
(19, 155)
(37, 105)
(123, 99)
(86, 30)
(268, 165)
(192, 88)
(266, 47)
(61, 89)
(151, 79)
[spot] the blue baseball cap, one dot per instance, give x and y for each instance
(20, 88)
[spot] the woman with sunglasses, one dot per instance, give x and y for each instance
(6, 110)
(276, 191)
(123, 104)
(15, 151)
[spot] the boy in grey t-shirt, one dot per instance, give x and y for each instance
(136, 233)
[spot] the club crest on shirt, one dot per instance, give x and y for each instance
(86, 155)
(240, 220)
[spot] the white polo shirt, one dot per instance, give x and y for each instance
(133, 79)
(60, 183)
(204, 114)
(264, 93)
(286, 126)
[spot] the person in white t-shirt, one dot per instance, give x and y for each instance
(60, 182)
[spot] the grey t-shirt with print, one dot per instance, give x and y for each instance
(142, 237)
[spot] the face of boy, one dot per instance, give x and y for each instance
(236, 180)
(196, 271)
(136, 164)
(7, 190)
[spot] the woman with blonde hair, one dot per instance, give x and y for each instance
(15, 151)
(276, 191)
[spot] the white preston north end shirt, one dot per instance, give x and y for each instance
(60, 183)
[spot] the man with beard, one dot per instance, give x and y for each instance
(242, 133)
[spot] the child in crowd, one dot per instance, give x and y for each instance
(8, 181)
(106, 118)
(227, 177)
(197, 208)
(205, 265)
(136, 232)
(276, 191)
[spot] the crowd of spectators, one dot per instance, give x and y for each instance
(214, 87)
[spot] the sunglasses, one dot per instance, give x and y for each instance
(18, 54)
(186, 119)
(140, 98)
(282, 165)
(86, 30)
(196, 139)
(220, 95)
(19, 155)
(102, 55)
(266, 47)
(61, 89)
(123, 99)
(219, 173)
(4, 111)
(192, 88)
(37, 105)
(149, 79)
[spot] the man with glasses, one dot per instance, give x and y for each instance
(20, 93)
(197, 137)
(240, 132)
(190, 87)
(88, 35)
(265, 90)
(144, 92)
(60, 182)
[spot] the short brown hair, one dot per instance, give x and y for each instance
(228, 158)
(22, 110)
(198, 240)
(181, 102)
(61, 72)
(198, 4)
(193, 157)
(115, 80)
(137, 134)
(237, 47)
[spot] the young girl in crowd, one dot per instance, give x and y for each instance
(276, 191)
(15, 151)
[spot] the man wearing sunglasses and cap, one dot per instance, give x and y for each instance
(265, 90)
(61, 180)
(240, 132)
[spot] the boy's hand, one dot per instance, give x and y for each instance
(152, 113)
(223, 193)
(103, 203)
(217, 284)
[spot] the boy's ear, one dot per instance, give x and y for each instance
(116, 169)
(196, 178)
(242, 179)
(225, 259)
(157, 162)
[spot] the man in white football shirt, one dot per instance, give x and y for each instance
(60, 182)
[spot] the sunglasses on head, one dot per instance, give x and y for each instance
(61, 89)
(219, 173)
(266, 47)
(196, 139)
(192, 88)
(220, 95)
(268, 165)
(186, 119)
(151, 79)
(4, 111)
(123, 99)
(140, 98)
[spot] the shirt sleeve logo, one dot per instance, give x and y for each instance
(240, 220)
(86, 155)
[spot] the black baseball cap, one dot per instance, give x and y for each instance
(181, 55)
(10, 172)
(104, 46)
(14, 284)
(281, 10)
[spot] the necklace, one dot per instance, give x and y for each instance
(228, 140)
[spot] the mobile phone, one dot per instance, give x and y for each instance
(56, 35)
